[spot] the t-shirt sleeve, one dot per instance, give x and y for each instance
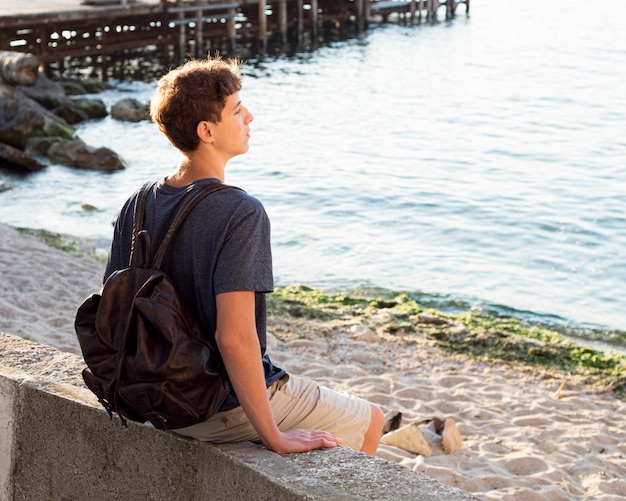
(119, 252)
(245, 259)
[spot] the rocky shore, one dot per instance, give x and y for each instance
(37, 116)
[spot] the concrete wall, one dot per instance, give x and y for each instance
(57, 443)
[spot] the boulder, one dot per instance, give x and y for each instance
(12, 158)
(39, 146)
(130, 110)
(21, 118)
(76, 153)
(36, 113)
(52, 96)
(48, 93)
(93, 108)
(75, 86)
(70, 113)
(17, 68)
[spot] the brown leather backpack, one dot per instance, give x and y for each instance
(147, 357)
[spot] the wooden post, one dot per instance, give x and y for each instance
(300, 20)
(314, 13)
(164, 29)
(262, 23)
(451, 5)
(412, 10)
(359, 14)
(182, 35)
(420, 8)
(282, 20)
(230, 27)
(199, 30)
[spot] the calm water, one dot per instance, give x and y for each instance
(482, 158)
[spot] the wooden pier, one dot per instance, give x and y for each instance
(59, 29)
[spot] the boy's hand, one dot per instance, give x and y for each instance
(301, 440)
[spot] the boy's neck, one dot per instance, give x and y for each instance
(194, 167)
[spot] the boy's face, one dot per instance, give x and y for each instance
(231, 135)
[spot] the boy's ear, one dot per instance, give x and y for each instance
(204, 130)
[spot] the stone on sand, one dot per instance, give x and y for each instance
(410, 438)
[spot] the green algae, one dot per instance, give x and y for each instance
(485, 336)
(58, 241)
(66, 243)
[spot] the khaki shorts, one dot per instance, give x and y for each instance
(297, 402)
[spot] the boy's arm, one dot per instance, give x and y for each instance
(238, 343)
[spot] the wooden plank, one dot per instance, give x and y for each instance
(10, 21)
(202, 19)
(203, 7)
(390, 5)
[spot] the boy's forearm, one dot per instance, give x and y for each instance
(245, 370)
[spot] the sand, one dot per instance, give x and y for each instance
(520, 442)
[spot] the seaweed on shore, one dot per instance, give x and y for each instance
(499, 339)
(68, 243)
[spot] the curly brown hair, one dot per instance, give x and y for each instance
(191, 93)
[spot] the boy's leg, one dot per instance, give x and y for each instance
(299, 402)
(303, 403)
(374, 432)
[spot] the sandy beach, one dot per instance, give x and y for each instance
(520, 442)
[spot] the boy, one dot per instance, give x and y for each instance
(220, 261)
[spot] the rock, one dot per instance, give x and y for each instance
(93, 108)
(17, 68)
(393, 420)
(458, 329)
(21, 118)
(130, 110)
(93, 85)
(364, 333)
(46, 92)
(410, 438)
(451, 439)
(5, 187)
(74, 111)
(76, 86)
(68, 112)
(33, 108)
(51, 95)
(426, 318)
(13, 158)
(38, 146)
(75, 153)
(72, 87)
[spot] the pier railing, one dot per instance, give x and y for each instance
(101, 27)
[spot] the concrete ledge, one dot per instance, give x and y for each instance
(56, 442)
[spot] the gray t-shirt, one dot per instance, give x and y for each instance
(222, 246)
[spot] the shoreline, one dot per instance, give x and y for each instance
(528, 433)
(600, 338)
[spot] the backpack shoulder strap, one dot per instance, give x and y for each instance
(189, 203)
(138, 219)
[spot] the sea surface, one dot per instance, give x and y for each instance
(481, 159)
